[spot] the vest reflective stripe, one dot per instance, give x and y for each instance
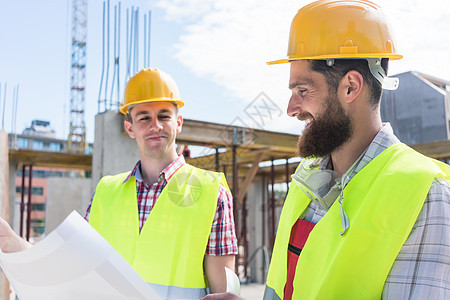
(179, 224)
(270, 294)
(176, 292)
(382, 201)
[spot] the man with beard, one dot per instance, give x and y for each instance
(172, 222)
(366, 217)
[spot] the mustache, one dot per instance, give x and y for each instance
(304, 116)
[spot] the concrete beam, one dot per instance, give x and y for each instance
(437, 150)
(51, 159)
(214, 134)
(245, 156)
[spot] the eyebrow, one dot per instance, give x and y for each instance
(145, 112)
(297, 83)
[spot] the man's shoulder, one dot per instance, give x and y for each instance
(440, 186)
(199, 169)
(202, 172)
(208, 176)
(113, 178)
(413, 160)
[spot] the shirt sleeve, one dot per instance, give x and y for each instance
(421, 269)
(88, 210)
(222, 240)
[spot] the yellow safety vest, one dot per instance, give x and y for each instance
(383, 201)
(168, 252)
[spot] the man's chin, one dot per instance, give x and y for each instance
(308, 147)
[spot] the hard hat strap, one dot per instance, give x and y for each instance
(376, 69)
(388, 83)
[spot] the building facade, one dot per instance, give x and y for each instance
(38, 137)
(419, 110)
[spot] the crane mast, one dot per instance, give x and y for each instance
(77, 134)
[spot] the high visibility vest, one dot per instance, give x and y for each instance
(383, 202)
(168, 252)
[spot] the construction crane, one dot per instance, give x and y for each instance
(77, 135)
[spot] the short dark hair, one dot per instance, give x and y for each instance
(130, 119)
(128, 116)
(333, 74)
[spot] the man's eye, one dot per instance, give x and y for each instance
(301, 92)
(164, 117)
(144, 119)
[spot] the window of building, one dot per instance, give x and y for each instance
(89, 149)
(38, 206)
(38, 226)
(34, 191)
(36, 173)
(55, 147)
(22, 143)
(39, 173)
(38, 145)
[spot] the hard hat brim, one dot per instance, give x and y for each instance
(279, 61)
(391, 56)
(124, 108)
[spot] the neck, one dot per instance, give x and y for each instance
(151, 167)
(363, 134)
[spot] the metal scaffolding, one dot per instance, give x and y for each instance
(110, 91)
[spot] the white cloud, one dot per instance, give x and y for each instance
(422, 29)
(229, 42)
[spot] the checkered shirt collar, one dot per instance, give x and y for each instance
(167, 173)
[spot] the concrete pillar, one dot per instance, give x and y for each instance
(258, 255)
(14, 209)
(63, 196)
(4, 198)
(114, 150)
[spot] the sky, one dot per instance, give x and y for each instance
(214, 49)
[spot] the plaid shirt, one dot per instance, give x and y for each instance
(222, 239)
(422, 267)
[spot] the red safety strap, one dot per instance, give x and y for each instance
(299, 234)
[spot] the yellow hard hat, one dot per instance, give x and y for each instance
(329, 29)
(150, 85)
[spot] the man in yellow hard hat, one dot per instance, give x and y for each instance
(366, 217)
(191, 209)
(171, 221)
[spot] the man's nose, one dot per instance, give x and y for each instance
(294, 107)
(155, 125)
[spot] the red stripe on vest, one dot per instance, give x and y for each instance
(299, 234)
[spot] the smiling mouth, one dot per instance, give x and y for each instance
(308, 119)
(156, 138)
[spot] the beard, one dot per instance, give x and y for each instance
(329, 131)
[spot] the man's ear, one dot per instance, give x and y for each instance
(351, 86)
(179, 123)
(129, 128)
